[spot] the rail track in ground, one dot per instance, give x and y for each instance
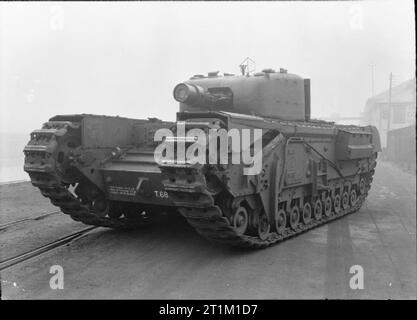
(9, 262)
(5, 226)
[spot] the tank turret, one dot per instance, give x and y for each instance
(267, 93)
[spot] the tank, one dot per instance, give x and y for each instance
(286, 175)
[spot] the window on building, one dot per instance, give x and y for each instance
(398, 114)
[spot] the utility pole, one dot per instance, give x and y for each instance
(389, 102)
(372, 79)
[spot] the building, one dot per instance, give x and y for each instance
(401, 114)
(401, 147)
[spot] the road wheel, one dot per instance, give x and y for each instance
(263, 227)
(280, 221)
(353, 197)
(336, 204)
(294, 217)
(328, 207)
(307, 213)
(318, 210)
(240, 220)
(345, 200)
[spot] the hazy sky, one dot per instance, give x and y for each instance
(125, 58)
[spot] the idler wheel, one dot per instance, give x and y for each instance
(345, 200)
(353, 198)
(294, 217)
(336, 204)
(318, 210)
(362, 186)
(328, 207)
(280, 221)
(240, 220)
(307, 213)
(263, 227)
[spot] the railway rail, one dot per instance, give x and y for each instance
(38, 217)
(9, 262)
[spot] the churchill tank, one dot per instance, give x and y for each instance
(243, 163)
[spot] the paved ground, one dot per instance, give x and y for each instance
(171, 261)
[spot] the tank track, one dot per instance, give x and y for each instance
(40, 163)
(213, 225)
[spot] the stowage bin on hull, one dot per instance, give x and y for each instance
(243, 163)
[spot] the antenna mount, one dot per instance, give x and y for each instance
(247, 66)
